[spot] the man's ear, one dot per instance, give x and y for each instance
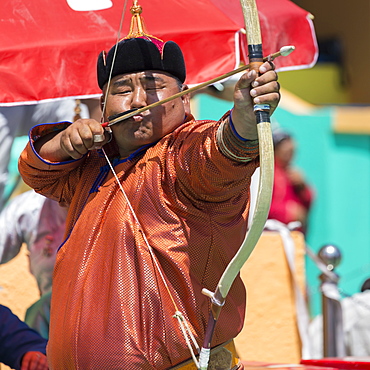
(186, 99)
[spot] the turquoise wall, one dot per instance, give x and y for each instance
(338, 168)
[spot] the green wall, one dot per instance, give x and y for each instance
(338, 168)
(323, 84)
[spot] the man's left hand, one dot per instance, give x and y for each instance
(252, 89)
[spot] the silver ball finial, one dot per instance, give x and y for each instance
(330, 255)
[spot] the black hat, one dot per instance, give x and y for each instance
(141, 54)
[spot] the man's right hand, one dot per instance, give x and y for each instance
(73, 142)
(83, 135)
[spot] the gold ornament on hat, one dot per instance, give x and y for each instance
(137, 26)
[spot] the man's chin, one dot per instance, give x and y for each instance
(141, 140)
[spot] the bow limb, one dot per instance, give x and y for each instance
(266, 157)
(265, 186)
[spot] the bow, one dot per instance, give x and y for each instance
(263, 202)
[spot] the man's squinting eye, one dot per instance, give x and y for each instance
(122, 91)
(152, 86)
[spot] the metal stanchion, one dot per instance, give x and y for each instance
(333, 338)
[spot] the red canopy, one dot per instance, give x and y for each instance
(49, 51)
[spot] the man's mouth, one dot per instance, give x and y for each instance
(119, 117)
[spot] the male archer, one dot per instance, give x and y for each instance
(141, 245)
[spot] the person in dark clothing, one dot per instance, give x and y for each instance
(21, 347)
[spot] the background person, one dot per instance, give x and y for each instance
(39, 222)
(291, 196)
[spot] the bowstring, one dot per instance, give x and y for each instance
(184, 326)
(114, 56)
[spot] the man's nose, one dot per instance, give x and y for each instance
(139, 97)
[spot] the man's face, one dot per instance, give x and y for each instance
(137, 90)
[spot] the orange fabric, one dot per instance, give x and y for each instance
(110, 309)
